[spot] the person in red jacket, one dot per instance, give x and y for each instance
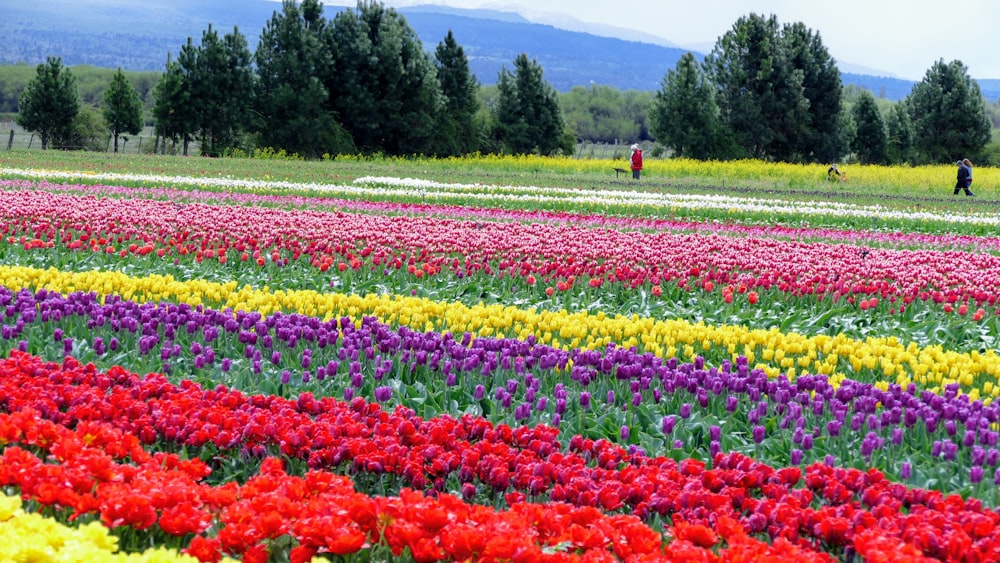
(636, 161)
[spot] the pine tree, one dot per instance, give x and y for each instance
(49, 103)
(948, 113)
(291, 102)
(899, 128)
(760, 94)
(220, 85)
(822, 139)
(528, 116)
(383, 86)
(870, 140)
(172, 110)
(684, 115)
(122, 107)
(457, 132)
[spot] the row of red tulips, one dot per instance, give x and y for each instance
(826, 509)
(550, 252)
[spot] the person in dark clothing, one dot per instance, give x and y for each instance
(964, 178)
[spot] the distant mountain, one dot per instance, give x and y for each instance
(138, 36)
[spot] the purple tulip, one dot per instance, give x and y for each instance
(897, 436)
(667, 426)
(905, 471)
(950, 450)
(978, 455)
(976, 474)
(685, 410)
(715, 433)
(383, 393)
(796, 457)
(585, 400)
(286, 377)
(758, 434)
(541, 403)
(732, 403)
(969, 438)
(714, 448)
(624, 433)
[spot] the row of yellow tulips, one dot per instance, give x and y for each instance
(885, 359)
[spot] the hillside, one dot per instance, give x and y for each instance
(138, 36)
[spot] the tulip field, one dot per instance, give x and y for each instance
(495, 360)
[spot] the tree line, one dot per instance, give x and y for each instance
(773, 92)
(362, 83)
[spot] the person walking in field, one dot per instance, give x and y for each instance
(964, 181)
(636, 160)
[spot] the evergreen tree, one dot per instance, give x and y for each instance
(948, 113)
(684, 115)
(220, 85)
(760, 93)
(527, 114)
(383, 86)
(49, 103)
(870, 140)
(187, 61)
(172, 109)
(899, 128)
(457, 131)
(822, 139)
(122, 107)
(292, 104)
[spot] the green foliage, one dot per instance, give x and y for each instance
(173, 110)
(266, 153)
(384, 88)
(217, 81)
(604, 114)
(948, 114)
(822, 140)
(89, 131)
(871, 140)
(221, 86)
(527, 112)
(900, 134)
(991, 155)
(49, 103)
(778, 90)
(684, 115)
(122, 108)
(457, 132)
(91, 82)
(292, 105)
(760, 93)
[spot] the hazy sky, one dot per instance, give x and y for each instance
(902, 37)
